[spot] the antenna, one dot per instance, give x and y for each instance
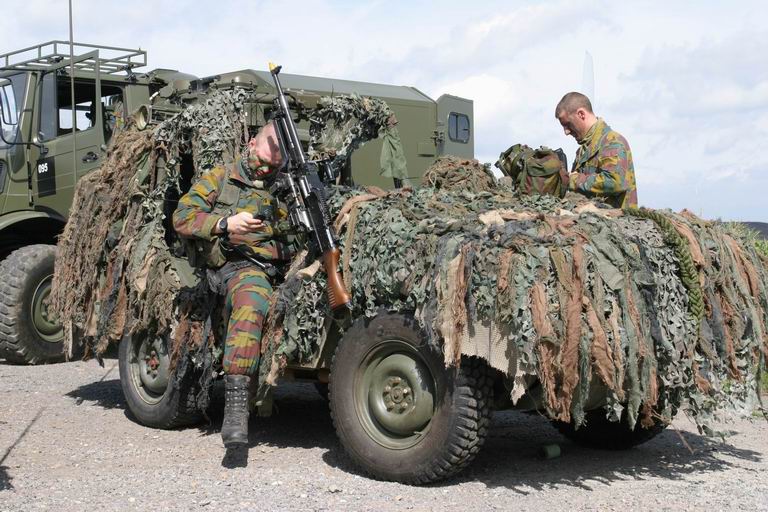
(72, 92)
(588, 78)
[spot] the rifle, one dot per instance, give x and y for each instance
(299, 184)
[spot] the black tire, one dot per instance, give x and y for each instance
(322, 390)
(155, 401)
(600, 433)
(28, 334)
(437, 433)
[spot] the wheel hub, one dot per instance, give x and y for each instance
(43, 319)
(399, 396)
(152, 367)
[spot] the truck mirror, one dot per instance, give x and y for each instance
(3, 99)
(5, 107)
(3, 123)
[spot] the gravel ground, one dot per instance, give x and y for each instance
(68, 443)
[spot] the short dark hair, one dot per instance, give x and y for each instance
(572, 102)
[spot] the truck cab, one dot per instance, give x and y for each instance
(57, 115)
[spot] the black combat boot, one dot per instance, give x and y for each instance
(234, 430)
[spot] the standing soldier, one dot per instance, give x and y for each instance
(603, 166)
(231, 206)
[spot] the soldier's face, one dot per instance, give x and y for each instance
(263, 148)
(573, 123)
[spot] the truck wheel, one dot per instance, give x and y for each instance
(148, 384)
(603, 434)
(29, 334)
(399, 412)
(322, 390)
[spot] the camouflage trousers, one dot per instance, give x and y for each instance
(247, 302)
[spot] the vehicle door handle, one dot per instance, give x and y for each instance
(90, 157)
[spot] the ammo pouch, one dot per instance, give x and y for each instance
(203, 254)
(535, 171)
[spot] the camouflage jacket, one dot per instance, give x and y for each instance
(604, 167)
(225, 191)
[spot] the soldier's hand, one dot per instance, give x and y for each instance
(573, 181)
(243, 223)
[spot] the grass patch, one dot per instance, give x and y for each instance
(762, 247)
(764, 382)
(748, 236)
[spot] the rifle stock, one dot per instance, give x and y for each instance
(338, 296)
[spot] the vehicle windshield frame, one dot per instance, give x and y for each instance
(12, 90)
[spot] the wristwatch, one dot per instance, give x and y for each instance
(222, 225)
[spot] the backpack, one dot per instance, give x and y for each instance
(535, 171)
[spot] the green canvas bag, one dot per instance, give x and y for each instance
(535, 171)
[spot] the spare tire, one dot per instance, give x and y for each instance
(400, 414)
(29, 334)
(149, 385)
(599, 432)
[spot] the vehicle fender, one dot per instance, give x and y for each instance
(11, 219)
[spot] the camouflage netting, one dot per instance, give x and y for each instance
(116, 268)
(453, 173)
(666, 310)
(341, 124)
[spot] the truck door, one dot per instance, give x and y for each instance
(455, 126)
(56, 171)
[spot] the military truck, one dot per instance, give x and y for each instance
(58, 115)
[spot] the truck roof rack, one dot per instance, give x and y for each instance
(111, 60)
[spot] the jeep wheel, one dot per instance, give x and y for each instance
(322, 390)
(148, 384)
(399, 412)
(603, 434)
(29, 334)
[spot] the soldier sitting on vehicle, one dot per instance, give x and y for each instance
(603, 166)
(227, 208)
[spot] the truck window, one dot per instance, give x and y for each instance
(48, 124)
(85, 109)
(56, 110)
(112, 107)
(458, 127)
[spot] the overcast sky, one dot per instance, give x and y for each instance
(685, 82)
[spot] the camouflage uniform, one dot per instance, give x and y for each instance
(248, 290)
(604, 166)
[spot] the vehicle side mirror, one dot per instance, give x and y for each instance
(2, 121)
(3, 111)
